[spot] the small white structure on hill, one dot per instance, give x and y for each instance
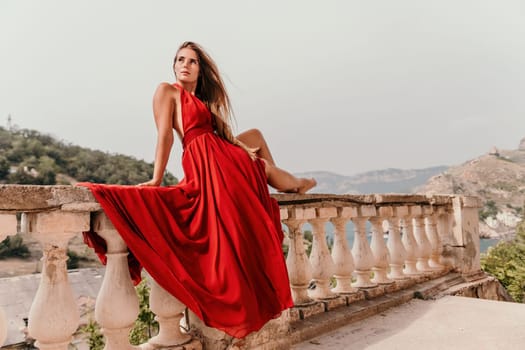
(522, 144)
(494, 151)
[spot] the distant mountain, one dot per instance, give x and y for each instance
(498, 178)
(377, 181)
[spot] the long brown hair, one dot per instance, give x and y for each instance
(211, 90)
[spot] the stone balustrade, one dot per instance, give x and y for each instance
(426, 236)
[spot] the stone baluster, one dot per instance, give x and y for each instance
(341, 254)
(422, 241)
(54, 316)
(466, 254)
(363, 257)
(8, 225)
(3, 327)
(169, 312)
(444, 226)
(380, 251)
(299, 270)
(117, 305)
(395, 245)
(435, 242)
(320, 259)
(411, 246)
(449, 226)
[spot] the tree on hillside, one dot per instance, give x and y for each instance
(506, 262)
(4, 167)
(489, 210)
(39, 158)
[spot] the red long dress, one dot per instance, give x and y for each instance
(214, 240)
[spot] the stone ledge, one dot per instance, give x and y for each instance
(41, 198)
(195, 344)
(320, 323)
(372, 293)
(24, 198)
(330, 304)
(488, 288)
(353, 297)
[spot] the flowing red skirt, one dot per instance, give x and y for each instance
(213, 241)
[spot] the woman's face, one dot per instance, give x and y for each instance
(187, 66)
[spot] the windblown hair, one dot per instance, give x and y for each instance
(211, 90)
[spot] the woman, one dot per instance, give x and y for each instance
(189, 61)
(214, 240)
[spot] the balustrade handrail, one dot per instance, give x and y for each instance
(32, 198)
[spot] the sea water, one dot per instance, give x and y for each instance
(484, 243)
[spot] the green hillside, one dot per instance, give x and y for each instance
(30, 157)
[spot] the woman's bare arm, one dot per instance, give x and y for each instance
(163, 111)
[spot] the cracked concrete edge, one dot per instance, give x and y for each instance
(319, 324)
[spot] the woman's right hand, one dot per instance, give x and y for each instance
(151, 182)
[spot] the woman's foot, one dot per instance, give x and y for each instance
(306, 185)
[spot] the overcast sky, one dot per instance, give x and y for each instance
(340, 86)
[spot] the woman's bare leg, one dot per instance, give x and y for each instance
(254, 138)
(283, 181)
(278, 178)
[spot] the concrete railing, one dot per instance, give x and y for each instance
(427, 235)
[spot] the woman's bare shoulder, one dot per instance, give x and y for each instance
(165, 88)
(165, 91)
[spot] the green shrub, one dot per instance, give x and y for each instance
(145, 325)
(489, 210)
(506, 262)
(13, 246)
(72, 260)
(95, 339)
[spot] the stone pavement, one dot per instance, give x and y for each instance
(17, 293)
(447, 323)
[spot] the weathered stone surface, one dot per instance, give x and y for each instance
(348, 212)
(367, 210)
(421, 278)
(79, 207)
(487, 288)
(58, 222)
(401, 211)
(34, 198)
(416, 210)
(385, 211)
(30, 197)
(301, 213)
(326, 213)
(406, 283)
(391, 288)
(440, 199)
(194, 344)
(331, 304)
(310, 310)
(371, 293)
(388, 198)
(8, 224)
(354, 297)
(270, 336)
(471, 202)
(293, 314)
